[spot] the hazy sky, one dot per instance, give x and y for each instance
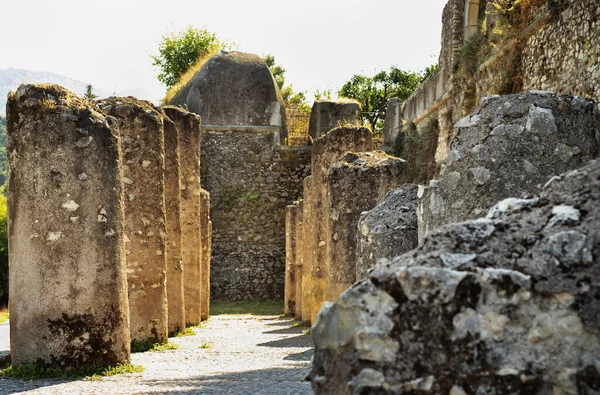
(320, 43)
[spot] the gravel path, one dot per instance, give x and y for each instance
(247, 355)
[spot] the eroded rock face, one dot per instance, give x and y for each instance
(68, 286)
(388, 230)
(508, 147)
(497, 305)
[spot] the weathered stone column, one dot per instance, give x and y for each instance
(299, 258)
(327, 150)
(142, 145)
(205, 235)
(68, 288)
(175, 275)
(329, 114)
(308, 248)
(189, 127)
(357, 183)
(289, 306)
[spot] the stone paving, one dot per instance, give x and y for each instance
(246, 355)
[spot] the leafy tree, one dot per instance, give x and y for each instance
(177, 52)
(89, 94)
(290, 97)
(374, 92)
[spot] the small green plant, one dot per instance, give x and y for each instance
(205, 344)
(302, 324)
(188, 331)
(3, 314)
(306, 331)
(36, 372)
(152, 347)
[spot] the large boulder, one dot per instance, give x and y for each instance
(509, 146)
(388, 230)
(506, 304)
(234, 89)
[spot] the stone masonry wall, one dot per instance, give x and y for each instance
(251, 179)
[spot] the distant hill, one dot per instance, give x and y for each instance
(10, 79)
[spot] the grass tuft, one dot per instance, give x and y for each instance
(188, 331)
(306, 331)
(152, 347)
(302, 324)
(36, 372)
(205, 344)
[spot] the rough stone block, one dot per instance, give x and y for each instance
(189, 128)
(205, 236)
(68, 287)
(142, 145)
(388, 230)
(291, 276)
(497, 305)
(356, 183)
(175, 275)
(326, 115)
(508, 147)
(327, 150)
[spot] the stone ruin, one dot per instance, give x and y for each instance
(100, 226)
(507, 147)
(329, 114)
(496, 305)
(250, 175)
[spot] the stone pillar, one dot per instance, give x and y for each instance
(327, 114)
(289, 306)
(327, 150)
(388, 230)
(307, 249)
(142, 145)
(357, 183)
(205, 235)
(68, 287)
(299, 258)
(189, 128)
(175, 275)
(392, 123)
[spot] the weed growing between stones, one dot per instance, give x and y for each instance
(36, 372)
(205, 344)
(302, 324)
(188, 331)
(306, 331)
(152, 347)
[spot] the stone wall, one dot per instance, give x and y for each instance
(328, 114)
(251, 179)
(558, 51)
